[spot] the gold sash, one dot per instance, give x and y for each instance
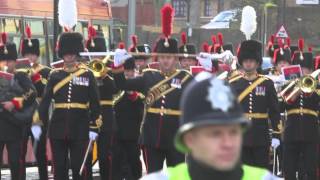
(64, 81)
(250, 88)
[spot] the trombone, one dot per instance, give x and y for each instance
(99, 66)
(306, 84)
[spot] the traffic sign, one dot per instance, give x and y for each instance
(282, 33)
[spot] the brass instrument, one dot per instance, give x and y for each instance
(99, 67)
(306, 84)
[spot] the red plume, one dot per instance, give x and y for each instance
(134, 40)
(184, 38)
(280, 42)
(288, 42)
(301, 44)
(205, 47)
(213, 39)
(310, 48)
(220, 38)
(272, 38)
(121, 45)
(4, 37)
(167, 12)
(28, 31)
(92, 32)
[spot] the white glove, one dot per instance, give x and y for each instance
(92, 135)
(205, 61)
(36, 132)
(275, 143)
(120, 56)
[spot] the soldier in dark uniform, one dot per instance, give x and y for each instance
(76, 115)
(129, 113)
(17, 106)
(39, 76)
(141, 62)
(258, 98)
(301, 132)
(162, 89)
(187, 49)
(107, 89)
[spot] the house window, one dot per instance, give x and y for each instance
(180, 7)
(208, 9)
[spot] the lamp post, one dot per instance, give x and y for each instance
(131, 19)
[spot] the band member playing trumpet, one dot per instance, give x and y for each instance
(301, 132)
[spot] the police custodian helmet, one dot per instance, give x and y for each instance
(207, 101)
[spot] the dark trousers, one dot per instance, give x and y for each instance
(40, 154)
(14, 149)
(128, 154)
(154, 158)
(105, 156)
(256, 156)
(297, 153)
(61, 149)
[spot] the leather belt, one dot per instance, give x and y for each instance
(164, 111)
(71, 106)
(256, 115)
(106, 103)
(302, 111)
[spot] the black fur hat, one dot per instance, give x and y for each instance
(33, 48)
(250, 49)
(9, 53)
(143, 48)
(306, 60)
(167, 46)
(99, 45)
(282, 55)
(70, 43)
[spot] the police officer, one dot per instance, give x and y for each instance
(76, 115)
(107, 90)
(141, 62)
(39, 76)
(258, 97)
(211, 132)
(129, 113)
(301, 132)
(187, 49)
(17, 106)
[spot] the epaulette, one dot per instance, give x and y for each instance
(55, 70)
(150, 69)
(235, 78)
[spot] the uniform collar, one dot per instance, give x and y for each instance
(250, 76)
(199, 171)
(71, 69)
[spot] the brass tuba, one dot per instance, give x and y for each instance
(99, 67)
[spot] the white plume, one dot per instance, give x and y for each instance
(67, 10)
(248, 21)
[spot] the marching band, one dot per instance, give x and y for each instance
(114, 107)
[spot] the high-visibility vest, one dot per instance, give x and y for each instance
(180, 172)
